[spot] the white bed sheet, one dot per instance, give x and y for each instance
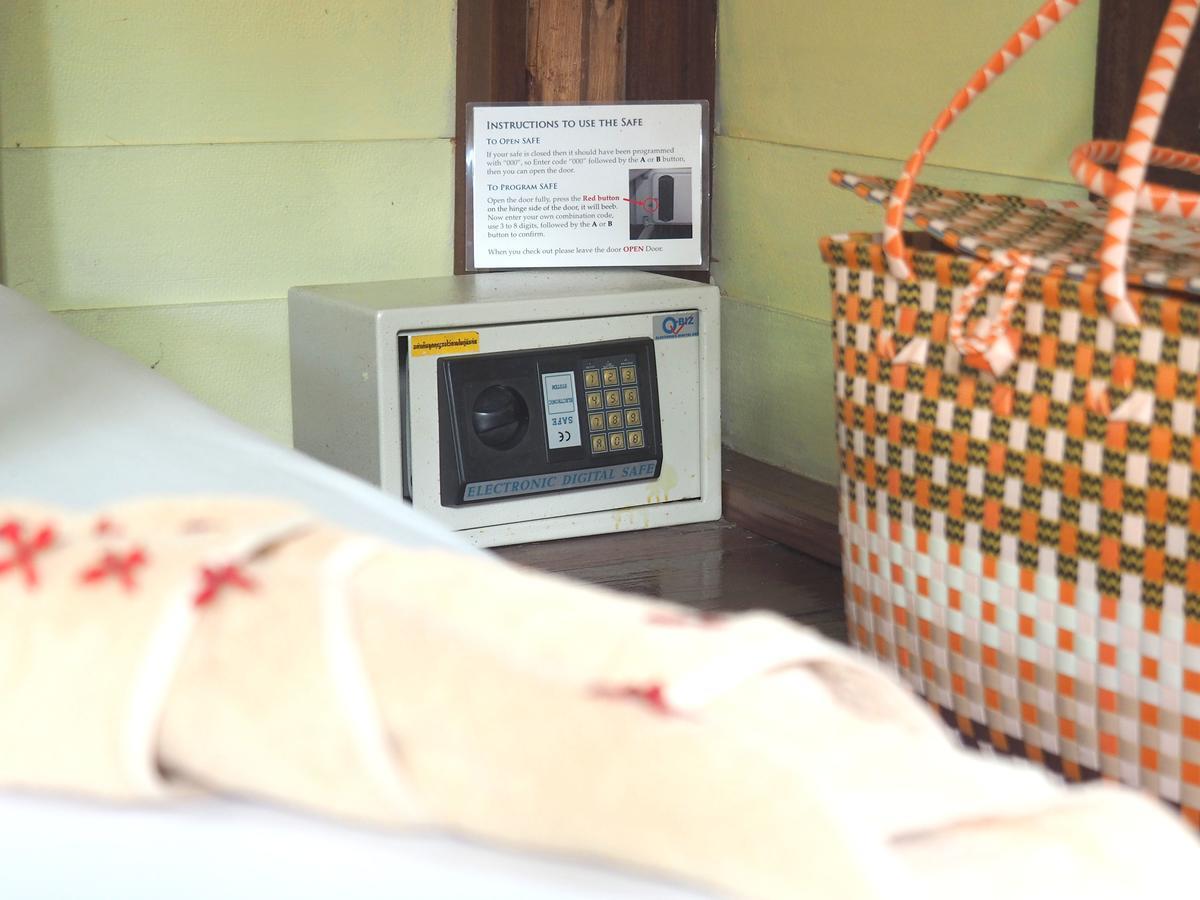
(81, 426)
(65, 850)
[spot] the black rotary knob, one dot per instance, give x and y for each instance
(500, 417)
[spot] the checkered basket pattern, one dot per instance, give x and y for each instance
(1031, 566)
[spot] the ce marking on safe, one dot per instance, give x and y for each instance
(564, 434)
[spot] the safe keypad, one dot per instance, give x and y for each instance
(612, 386)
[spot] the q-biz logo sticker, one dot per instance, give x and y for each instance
(677, 325)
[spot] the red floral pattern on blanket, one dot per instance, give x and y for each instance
(119, 566)
(25, 549)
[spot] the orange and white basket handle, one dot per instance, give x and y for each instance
(1051, 13)
(1126, 190)
(1088, 163)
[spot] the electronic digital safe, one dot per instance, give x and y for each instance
(517, 406)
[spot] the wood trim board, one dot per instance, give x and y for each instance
(795, 511)
(490, 66)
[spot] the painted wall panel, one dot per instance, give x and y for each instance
(869, 77)
(233, 356)
(777, 388)
(126, 226)
(806, 87)
(156, 155)
(111, 72)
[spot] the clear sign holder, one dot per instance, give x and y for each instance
(588, 185)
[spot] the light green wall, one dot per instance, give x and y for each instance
(804, 87)
(169, 169)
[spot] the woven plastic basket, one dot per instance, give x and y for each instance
(1017, 393)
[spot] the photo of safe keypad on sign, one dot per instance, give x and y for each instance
(614, 405)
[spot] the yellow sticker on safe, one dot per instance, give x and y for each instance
(448, 342)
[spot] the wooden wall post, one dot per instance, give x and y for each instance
(604, 71)
(575, 50)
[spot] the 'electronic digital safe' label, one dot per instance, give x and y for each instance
(557, 481)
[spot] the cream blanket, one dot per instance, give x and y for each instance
(240, 646)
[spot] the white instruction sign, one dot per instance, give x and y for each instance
(590, 185)
(562, 410)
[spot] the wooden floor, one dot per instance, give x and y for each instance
(714, 565)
